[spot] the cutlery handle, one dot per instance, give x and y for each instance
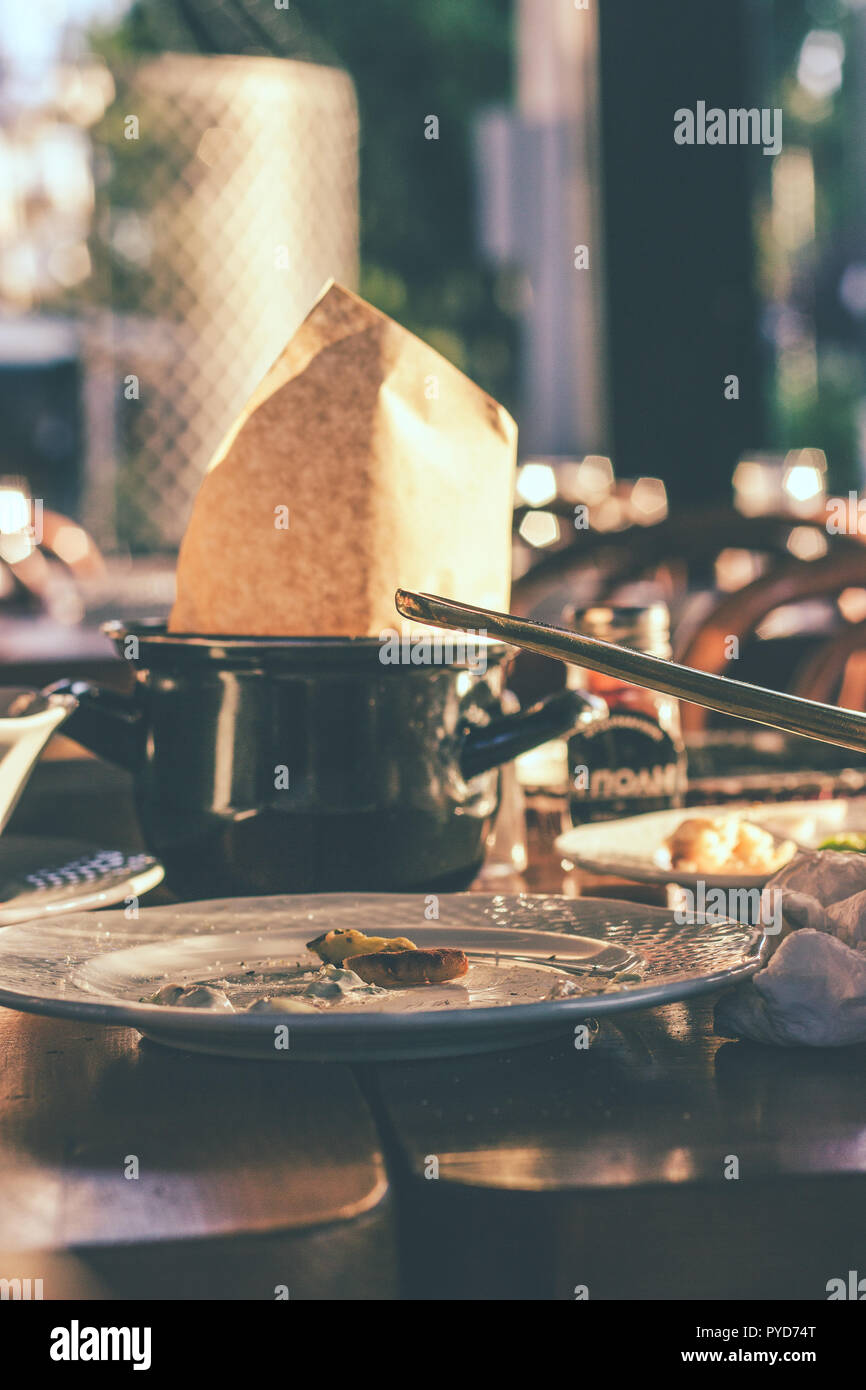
(790, 713)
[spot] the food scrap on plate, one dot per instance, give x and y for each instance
(391, 962)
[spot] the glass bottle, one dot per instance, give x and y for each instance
(635, 761)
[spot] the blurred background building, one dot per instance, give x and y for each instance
(179, 177)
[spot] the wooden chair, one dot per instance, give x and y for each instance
(736, 616)
(834, 673)
(684, 546)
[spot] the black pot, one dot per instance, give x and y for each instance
(305, 764)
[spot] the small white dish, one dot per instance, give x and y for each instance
(632, 848)
(41, 877)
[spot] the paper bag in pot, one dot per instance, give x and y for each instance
(364, 461)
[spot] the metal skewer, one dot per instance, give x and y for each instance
(790, 713)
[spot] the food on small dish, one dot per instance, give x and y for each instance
(335, 947)
(728, 844)
(191, 997)
(279, 1005)
(332, 982)
(387, 961)
(167, 995)
(378, 963)
(851, 840)
(396, 969)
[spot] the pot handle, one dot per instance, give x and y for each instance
(489, 745)
(105, 722)
(109, 724)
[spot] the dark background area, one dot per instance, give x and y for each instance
(682, 303)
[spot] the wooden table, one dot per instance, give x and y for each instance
(535, 1174)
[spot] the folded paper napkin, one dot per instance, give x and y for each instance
(813, 991)
(363, 462)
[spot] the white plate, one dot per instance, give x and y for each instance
(44, 877)
(99, 966)
(632, 848)
(809, 823)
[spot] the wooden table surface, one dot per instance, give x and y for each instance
(531, 1174)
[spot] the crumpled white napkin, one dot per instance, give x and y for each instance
(813, 991)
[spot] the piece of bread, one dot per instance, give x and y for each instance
(395, 969)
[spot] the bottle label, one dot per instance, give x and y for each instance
(623, 767)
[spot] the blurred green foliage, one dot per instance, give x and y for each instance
(825, 413)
